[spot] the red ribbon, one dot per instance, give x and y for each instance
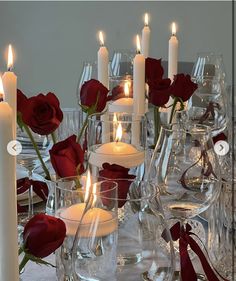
(40, 188)
(187, 270)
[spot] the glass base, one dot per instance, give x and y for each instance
(129, 259)
(176, 277)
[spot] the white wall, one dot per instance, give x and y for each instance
(52, 39)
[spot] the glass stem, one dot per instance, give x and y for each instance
(30, 199)
(27, 130)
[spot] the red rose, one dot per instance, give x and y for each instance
(159, 92)
(42, 113)
(43, 234)
(21, 101)
(182, 87)
(118, 172)
(67, 157)
(93, 96)
(219, 137)
(118, 93)
(153, 70)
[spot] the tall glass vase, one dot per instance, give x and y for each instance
(185, 168)
(221, 231)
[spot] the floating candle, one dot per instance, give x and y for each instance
(116, 152)
(96, 220)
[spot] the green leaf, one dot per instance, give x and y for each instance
(39, 260)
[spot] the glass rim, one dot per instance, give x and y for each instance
(121, 78)
(206, 78)
(210, 54)
(205, 128)
(82, 191)
(140, 119)
(150, 195)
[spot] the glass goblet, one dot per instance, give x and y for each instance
(209, 64)
(209, 107)
(28, 159)
(191, 188)
(122, 63)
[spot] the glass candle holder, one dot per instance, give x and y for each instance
(90, 214)
(126, 141)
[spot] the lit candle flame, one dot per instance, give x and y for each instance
(146, 19)
(138, 44)
(173, 28)
(87, 186)
(119, 133)
(101, 38)
(115, 119)
(94, 194)
(126, 89)
(1, 90)
(10, 58)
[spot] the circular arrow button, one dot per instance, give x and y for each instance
(221, 148)
(14, 147)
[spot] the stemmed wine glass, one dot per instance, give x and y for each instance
(189, 189)
(30, 161)
(122, 63)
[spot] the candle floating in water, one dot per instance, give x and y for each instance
(97, 219)
(116, 152)
(123, 104)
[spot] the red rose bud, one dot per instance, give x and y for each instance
(122, 177)
(93, 96)
(118, 92)
(153, 70)
(159, 92)
(66, 157)
(182, 87)
(220, 137)
(42, 113)
(21, 101)
(43, 234)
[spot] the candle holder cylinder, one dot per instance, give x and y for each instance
(90, 214)
(126, 143)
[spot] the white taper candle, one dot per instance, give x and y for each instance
(146, 32)
(8, 214)
(10, 87)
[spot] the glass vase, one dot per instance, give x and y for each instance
(90, 214)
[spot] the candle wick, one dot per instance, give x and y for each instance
(138, 52)
(1, 98)
(9, 69)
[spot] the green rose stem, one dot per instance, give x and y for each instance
(83, 128)
(37, 150)
(23, 262)
(53, 137)
(173, 109)
(157, 124)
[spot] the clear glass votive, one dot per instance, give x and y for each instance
(142, 252)
(90, 215)
(120, 140)
(71, 123)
